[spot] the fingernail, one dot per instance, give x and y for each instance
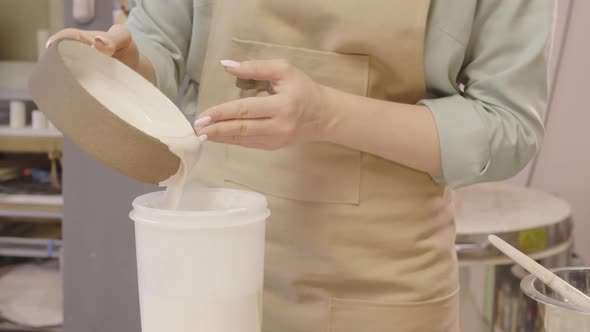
(202, 121)
(49, 41)
(230, 63)
(101, 40)
(203, 138)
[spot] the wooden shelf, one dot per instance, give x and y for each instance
(7, 327)
(14, 77)
(30, 214)
(29, 247)
(31, 206)
(29, 140)
(45, 200)
(6, 131)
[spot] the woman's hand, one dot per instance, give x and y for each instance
(293, 114)
(116, 42)
(303, 111)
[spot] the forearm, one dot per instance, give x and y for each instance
(405, 134)
(146, 69)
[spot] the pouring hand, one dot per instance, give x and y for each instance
(116, 42)
(293, 114)
(302, 110)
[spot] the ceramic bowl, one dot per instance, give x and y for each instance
(108, 110)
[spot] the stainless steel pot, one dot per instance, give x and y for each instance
(534, 222)
(557, 314)
(492, 301)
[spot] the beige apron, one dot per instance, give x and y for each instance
(355, 243)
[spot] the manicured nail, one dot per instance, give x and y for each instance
(203, 138)
(202, 122)
(49, 41)
(101, 40)
(230, 63)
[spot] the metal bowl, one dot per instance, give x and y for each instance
(560, 315)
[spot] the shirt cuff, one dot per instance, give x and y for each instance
(464, 144)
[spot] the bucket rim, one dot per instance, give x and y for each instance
(258, 213)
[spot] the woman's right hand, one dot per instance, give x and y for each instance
(117, 42)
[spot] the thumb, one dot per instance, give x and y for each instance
(260, 70)
(110, 42)
(104, 45)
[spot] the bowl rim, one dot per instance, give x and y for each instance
(527, 286)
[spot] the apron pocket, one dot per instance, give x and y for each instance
(440, 315)
(313, 172)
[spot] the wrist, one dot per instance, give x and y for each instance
(329, 118)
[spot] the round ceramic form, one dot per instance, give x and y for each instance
(109, 111)
(535, 222)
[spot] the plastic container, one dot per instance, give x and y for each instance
(200, 268)
(18, 114)
(38, 120)
(560, 316)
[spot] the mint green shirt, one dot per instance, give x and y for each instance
(486, 71)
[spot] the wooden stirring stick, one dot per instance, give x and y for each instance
(560, 286)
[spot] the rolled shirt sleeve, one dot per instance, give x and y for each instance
(491, 130)
(162, 32)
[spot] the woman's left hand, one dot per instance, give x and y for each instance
(293, 114)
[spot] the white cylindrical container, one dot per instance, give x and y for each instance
(38, 120)
(18, 114)
(200, 268)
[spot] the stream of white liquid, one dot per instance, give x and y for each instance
(188, 149)
(162, 308)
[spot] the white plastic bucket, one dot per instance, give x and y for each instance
(200, 268)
